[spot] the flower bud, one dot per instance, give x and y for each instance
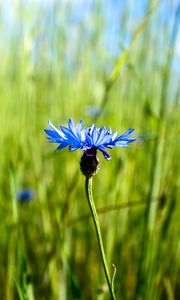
(89, 163)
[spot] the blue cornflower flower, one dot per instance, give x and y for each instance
(25, 195)
(89, 139)
(92, 110)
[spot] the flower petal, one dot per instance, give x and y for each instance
(105, 153)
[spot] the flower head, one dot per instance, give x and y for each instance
(92, 110)
(88, 139)
(25, 195)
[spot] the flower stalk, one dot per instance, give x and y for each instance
(88, 187)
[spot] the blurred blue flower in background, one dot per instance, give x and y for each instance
(25, 195)
(89, 139)
(92, 110)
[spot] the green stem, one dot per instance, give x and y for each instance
(88, 187)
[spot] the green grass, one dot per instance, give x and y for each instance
(53, 67)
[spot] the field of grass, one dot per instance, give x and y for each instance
(113, 63)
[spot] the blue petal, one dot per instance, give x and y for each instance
(106, 139)
(70, 136)
(102, 132)
(56, 130)
(89, 140)
(122, 144)
(51, 133)
(105, 153)
(62, 146)
(72, 128)
(94, 135)
(128, 132)
(79, 125)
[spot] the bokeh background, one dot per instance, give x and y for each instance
(113, 63)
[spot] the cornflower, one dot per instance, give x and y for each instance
(89, 140)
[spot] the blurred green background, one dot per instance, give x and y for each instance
(113, 63)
